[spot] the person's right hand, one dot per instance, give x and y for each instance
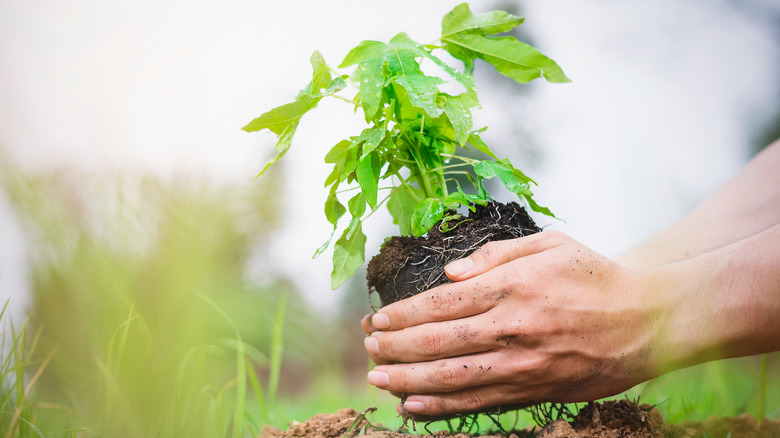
(541, 318)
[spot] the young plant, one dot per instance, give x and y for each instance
(413, 147)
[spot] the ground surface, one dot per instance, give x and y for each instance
(618, 419)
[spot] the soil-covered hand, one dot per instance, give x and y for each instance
(540, 318)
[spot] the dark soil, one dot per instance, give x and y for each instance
(618, 419)
(406, 266)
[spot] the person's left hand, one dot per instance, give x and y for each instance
(536, 319)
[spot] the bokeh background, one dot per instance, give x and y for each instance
(129, 191)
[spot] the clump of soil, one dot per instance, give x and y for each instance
(617, 419)
(406, 266)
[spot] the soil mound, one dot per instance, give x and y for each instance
(617, 419)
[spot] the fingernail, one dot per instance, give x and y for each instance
(380, 320)
(414, 407)
(459, 267)
(371, 344)
(378, 378)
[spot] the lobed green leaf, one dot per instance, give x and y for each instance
(422, 91)
(465, 36)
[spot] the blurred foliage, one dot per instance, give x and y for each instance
(145, 323)
(140, 287)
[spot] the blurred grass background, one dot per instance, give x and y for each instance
(145, 322)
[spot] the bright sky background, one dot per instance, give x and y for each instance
(665, 100)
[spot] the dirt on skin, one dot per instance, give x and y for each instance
(617, 419)
(406, 266)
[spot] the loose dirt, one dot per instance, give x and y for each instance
(618, 419)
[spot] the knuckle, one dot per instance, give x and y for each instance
(555, 235)
(490, 250)
(430, 343)
(440, 304)
(472, 401)
(445, 377)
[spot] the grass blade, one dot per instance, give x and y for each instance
(277, 349)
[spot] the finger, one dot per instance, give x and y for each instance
(372, 347)
(432, 341)
(472, 400)
(442, 303)
(498, 252)
(366, 324)
(453, 374)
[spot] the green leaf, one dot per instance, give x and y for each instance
(422, 91)
(398, 56)
(425, 215)
(348, 255)
(325, 245)
(282, 146)
(281, 118)
(462, 198)
(457, 198)
(357, 205)
(458, 111)
(333, 208)
(464, 79)
(335, 86)
(321, 78)
(476, 141)
(344, 156)
(536, 207)
(282, 121)
(514, 180)
(401, 206)
(515, 59)
(370, 139)
(367, 172)
(353, 225)
(461, 20)
(366, 50)
(465, 36)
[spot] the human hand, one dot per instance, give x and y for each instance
(541, 318)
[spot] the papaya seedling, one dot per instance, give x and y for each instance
(413, 147)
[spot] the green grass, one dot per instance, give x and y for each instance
(723, 388)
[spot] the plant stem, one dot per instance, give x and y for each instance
(350, 101)
(408, 188)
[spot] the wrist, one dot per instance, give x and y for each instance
(679, 339)
(718, 305)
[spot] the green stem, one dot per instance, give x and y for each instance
(425, 185)
(408, 188)
(443, 183)
(350, 101)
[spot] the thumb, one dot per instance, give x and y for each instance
(496, 253)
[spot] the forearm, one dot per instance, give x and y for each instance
(748, 204)
(725, 303)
